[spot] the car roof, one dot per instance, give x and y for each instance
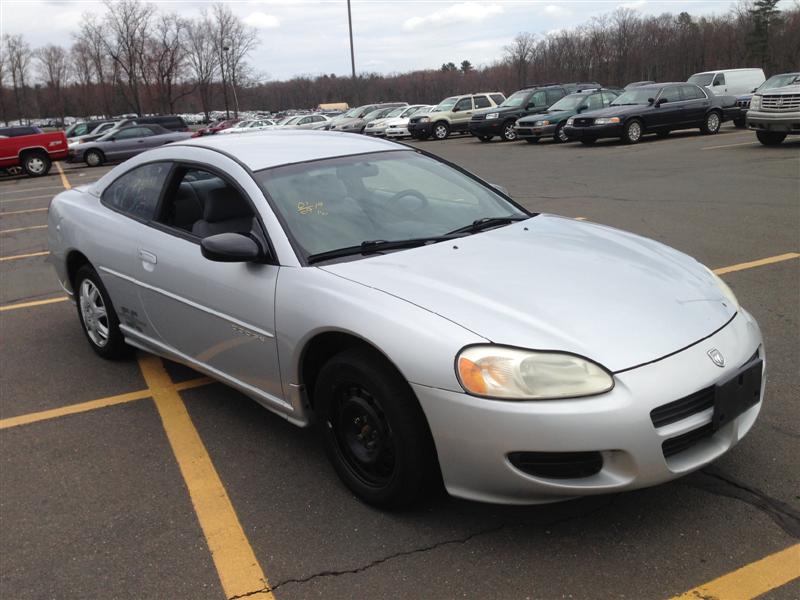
(262, 150)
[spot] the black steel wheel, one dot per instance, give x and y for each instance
(373, 429)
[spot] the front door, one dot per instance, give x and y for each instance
(218, 316)
(462, 113)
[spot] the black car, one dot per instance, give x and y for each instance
(499, 120)
(657, 108)
(171, 122)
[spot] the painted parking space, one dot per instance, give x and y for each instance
(288, 528)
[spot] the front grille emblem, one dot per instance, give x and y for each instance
(716, 356)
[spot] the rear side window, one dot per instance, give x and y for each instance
(670, 94)
(692, 92)
(136, 193)
(594, 102)
(554, 96)
(482, 102)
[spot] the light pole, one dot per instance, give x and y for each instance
(227, 49)
(352, 53)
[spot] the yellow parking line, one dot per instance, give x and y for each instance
(64, 180)
(19, 212)
(9, 190)
(757, 263)
(24, 199)
(580, 218)
(20, 256)
(729, 145)
(6, 307)
(18, 229)
(751, 580)
(72, 409)
(237, 566)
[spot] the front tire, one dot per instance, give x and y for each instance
(94, 158)
(373, 429)
(36, 164)
(97, 315)
(711, 123)
(509, 133)
(559, 136)
(441, 130)
(485, 138)
(632, 131)
(771, 138)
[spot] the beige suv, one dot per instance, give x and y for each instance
(452, 115)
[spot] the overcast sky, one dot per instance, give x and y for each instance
(310, 37)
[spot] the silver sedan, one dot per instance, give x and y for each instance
(121, 144)
(432, 328)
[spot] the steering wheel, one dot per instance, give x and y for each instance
(408, 193)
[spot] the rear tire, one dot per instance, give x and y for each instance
(94, 158)
(632, 131)
(441, 130)
(97, 315)
(771, 138)
(373, 429)
(36, 164)
(485, 138)
(711, 123)
(509, 133)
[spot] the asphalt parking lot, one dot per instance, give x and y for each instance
(140, 479)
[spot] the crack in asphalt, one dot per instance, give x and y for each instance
(422, 549)
(781, 513)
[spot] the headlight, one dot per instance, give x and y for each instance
(492, 116)
(541, 123)
(424, 120)
(606, 120)
(726, 291)
(513, 374)
(570, 121)
(755, 101)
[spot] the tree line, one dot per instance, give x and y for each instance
(135, 59)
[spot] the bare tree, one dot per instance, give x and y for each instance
(166, 60)
(3, 71)
(19, 56)
(519, 53)
(202, 59)
(92, 35)
(54, 72)
(233, 41)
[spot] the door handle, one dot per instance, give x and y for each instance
(148, 257)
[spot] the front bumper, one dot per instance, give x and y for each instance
(375, 131)
(784, 122)
(474, 436)
(420, 130)
(593, 131)
(397, 132)
(486, 127)
(527, 130)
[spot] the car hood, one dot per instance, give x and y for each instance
(555, 283)
(553, 117)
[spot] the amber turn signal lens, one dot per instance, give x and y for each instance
(471, 376)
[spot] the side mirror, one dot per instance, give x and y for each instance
(716, 83)
(651, 100)
(754, 90)
(456, 109)
(230, 247)
(583, 107)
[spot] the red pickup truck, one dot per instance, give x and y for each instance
(30, 149)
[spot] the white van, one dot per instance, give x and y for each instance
(730, 82)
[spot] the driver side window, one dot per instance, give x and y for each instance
(464, 104)
(136, 193)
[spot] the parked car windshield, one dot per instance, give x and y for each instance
(515, 100)
(396, 112)
(702, 79)
(343, 202)
(445, 104)
(353, 112)
(568, 103)
(777, 81)
(635, 96)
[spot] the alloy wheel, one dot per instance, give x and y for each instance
(712, 122)
(634, 131)
(94, 313)
(509, 133)
(35, 165)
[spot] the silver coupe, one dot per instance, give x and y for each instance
(433, 329)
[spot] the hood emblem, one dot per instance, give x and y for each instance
(716, 356)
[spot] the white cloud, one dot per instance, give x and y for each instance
(636, 4)
(463, 12)
(261, 20)
(554, 10)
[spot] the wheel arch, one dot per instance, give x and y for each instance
(75, 260)
(32, 150)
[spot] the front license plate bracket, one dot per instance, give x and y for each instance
(738, 393)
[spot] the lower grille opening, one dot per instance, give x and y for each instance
(685, 441)
(558, 465)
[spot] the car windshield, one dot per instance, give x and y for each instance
(371, 116)
(516, 99)
(289, 121)
(635, 96)
(445, 104)
(353, 112)
(777, 81)
(244, 124)
(401, 195)
(568, 102)
(396, 112)
(702, 79)
(422, 110)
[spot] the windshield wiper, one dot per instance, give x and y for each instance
(376, 246)
(487, 223)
